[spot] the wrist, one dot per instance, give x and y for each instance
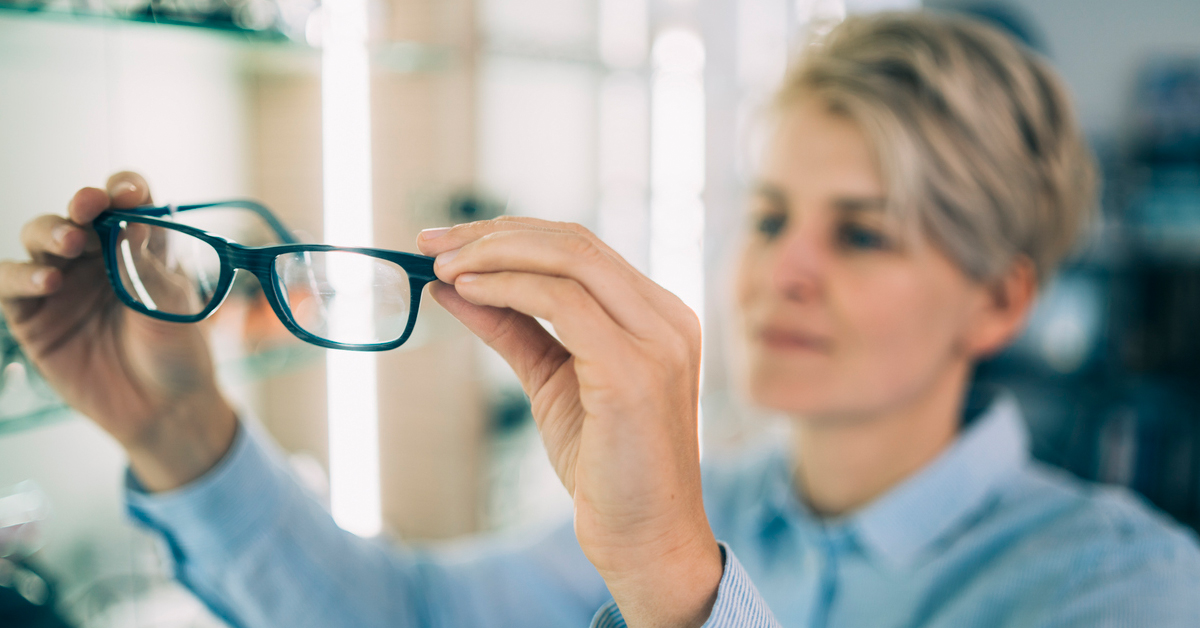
(676, 588)
(184, 444)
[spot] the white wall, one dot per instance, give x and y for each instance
(82, 100)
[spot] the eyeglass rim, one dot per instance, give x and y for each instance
(419, 269)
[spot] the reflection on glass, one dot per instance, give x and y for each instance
(345, 297)
(166, 270)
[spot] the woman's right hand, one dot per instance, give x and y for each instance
(147, 382)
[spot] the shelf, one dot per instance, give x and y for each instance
(27, 402)
(267, 52)
(147, 15)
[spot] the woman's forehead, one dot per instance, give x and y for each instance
(847, 202)
(820, 152)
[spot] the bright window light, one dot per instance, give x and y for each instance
(354, 484)
(677, 166)
(762, 43)
(623, 29)
(622, 217)
(624, 164)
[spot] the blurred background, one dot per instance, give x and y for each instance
(636, 118)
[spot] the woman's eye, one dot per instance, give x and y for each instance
(856, 237)
(770, 225)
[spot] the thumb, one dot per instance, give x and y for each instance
(529, 349)
(128, 190)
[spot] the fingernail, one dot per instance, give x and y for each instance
(447, 257)
(123, 188)
(60, 234)
(466, 278)
(431, 234)
(40, 277)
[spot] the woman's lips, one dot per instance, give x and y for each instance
(780, 339)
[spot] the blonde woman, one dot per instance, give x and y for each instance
(925, 177)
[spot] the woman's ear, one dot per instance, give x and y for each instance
(1004, 307)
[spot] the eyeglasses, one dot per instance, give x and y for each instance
(360, 299)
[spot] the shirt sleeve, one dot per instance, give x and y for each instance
(260, 551)
(738, 603)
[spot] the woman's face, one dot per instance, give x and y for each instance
(844, 317)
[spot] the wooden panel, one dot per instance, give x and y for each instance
(432, 415)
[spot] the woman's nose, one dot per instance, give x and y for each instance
(798, 266)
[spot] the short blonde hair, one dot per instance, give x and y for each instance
(976, 136)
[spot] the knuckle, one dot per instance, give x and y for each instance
(679, 348)
(679, 344)
(580, 231)
(580, 247)
(486, 242)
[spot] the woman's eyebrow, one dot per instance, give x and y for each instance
(860, 204)
(772, 192)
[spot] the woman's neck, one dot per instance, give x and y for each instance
(844, 464)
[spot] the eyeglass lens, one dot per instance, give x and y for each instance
(166, 270)
(345, 297)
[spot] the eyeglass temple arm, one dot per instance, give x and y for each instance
(274, 223)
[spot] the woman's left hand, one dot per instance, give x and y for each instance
(615, 397)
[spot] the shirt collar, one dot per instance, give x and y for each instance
(907, 521)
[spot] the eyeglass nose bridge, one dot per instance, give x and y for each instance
(260, 264)
(245, 258)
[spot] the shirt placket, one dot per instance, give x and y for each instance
(831, 546)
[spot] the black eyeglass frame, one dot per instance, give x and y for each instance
(258, 260)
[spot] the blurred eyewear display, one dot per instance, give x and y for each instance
(25, 399)
(354, 298)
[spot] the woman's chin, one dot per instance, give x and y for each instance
(792, 397)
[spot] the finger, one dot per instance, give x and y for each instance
(583, 327)
(24, 280)
(529, 349)
(473, 231)
(148, 240)
(434, 242)
(128, 190)
(91, 242)
(53, 236)
(437, 241)
(558, 254)
(86, 205)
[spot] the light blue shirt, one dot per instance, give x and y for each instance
(982, 536)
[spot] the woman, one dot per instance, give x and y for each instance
(925, 176)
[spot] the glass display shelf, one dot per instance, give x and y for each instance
(27, 401)
(268, 50)
(25, 398)
(221, 17)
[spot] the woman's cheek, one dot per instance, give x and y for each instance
(896, 331)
